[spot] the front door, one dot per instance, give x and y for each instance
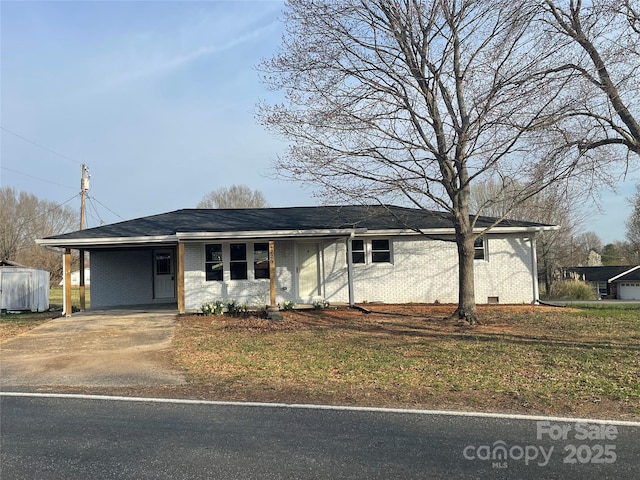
(308, 271)
(164, 285)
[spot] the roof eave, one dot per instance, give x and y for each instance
(328, 232)
(451, 231)
(105, 241)
(626, 272)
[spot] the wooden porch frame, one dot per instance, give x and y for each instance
(180, 277)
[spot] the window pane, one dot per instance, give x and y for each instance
(380, 252)
(357, 257)
(261, 271)
(214, 252)
(380, 257)
(238, 270)
(213, 262)
(163, 264)
(214, 272)
(260, 251)
(478, 245)
(357, 251)
(261, 260)
(380, 244)
(238, 251)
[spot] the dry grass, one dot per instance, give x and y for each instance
(522, 359)
(12, 325)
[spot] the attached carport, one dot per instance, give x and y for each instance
(126, 273)
(134, 270)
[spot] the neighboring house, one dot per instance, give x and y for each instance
(23, 288)
(348, 254)
(75, 278)
(620, 282)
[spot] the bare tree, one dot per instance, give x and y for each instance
(23, 218)
(601, 52)
(415, 101)
(633, 222)
(587, 251)
(555, 205)
(235, 196)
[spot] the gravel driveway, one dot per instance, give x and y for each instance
(109, 348)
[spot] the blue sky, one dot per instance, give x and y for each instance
(157, 98)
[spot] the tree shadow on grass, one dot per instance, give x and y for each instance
(436, 328)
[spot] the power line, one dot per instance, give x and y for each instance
(36, 178)
(95, 210)
(47, 212)
(61, 155)
(103, 205)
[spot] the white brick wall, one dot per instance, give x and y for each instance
(251, 291)
(425, 270)
(422, 270)
(256, 292)
(507, 271)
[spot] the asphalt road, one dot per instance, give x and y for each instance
(56, 438)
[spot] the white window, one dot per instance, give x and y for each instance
(213, 262)
(377, 250)
(358, 254)
(260, 260)
(480, 249)
(380, 251)
(237, 260)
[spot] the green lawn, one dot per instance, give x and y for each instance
(55, 297)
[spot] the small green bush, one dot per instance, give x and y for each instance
(572, 290)
(212, 308)
(320, 304)
(236, 309)
(288, 305)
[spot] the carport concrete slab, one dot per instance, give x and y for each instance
(108, 348)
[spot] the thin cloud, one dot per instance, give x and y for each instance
(163, 66)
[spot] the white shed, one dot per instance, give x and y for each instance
(23, 289)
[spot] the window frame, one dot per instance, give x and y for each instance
(238, 265)
(376, 252)
(265, 275)
(368, 255)
(480, 251)
(210, 262)
(361, 252)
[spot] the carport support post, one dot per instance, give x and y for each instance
(180, 278)
(272, 310)
(66, 275)
(83, 303)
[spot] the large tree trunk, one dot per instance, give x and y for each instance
(466, 283)
(465, 239)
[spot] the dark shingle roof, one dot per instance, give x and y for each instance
(376, 217)
(604, 273)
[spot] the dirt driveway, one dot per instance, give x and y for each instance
(109, 348)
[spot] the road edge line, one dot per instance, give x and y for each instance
(303, 406)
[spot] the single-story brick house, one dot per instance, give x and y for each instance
(620, 282)
(344, 254)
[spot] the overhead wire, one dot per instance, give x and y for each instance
(103, 205)
(90, 201)
(61, 155)
(36, 178)
(47, 212)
